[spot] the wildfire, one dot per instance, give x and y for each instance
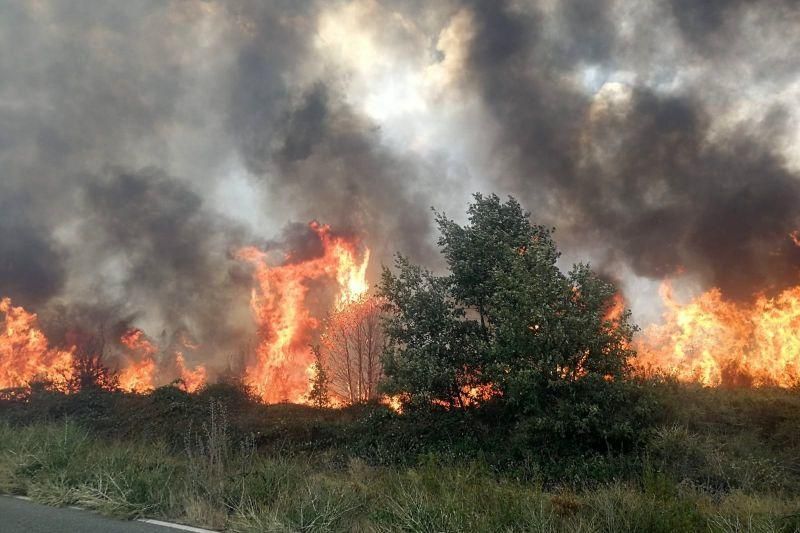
(478, 394)
(25, 353)
(395, 403)
(286, 325)
(616, 308)
(192, 379)
(139, 374)
(716, 342)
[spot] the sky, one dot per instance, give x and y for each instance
(141, 142)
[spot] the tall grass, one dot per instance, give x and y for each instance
(717, 460)
(61, 464)
(219, 484)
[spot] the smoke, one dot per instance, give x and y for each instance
(142, 143)
(31, 263)
(313, 152)
(332, 166)
(123, 127)
(177, 255)
(646, 172)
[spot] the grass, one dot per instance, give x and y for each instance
(714, 460)
(216, 483)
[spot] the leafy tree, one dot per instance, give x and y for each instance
(477, 252)
(433, 350)
(508, 318)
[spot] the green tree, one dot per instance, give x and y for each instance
(432, 348)
(507, 317)
(477, 252)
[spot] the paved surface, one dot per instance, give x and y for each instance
(20, 516)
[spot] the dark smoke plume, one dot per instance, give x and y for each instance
(177, 255)
(644, 176)
(31, 263)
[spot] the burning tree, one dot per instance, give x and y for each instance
(319, 395)
(352, 346)
(89, 363)
(287, 326)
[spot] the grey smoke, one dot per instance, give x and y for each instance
(31, 263)
(649, 182)
(124, 129)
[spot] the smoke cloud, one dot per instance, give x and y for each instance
(141, 144)
(636, 167)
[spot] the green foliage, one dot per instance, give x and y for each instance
(719, 460)
(507, 317)
(477, 252)
(433, 350)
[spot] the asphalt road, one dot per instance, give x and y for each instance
(20, 516)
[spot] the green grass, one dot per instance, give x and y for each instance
(713, 460)
(218, 482)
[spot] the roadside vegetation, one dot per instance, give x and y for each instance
(516, 408)
(721, 460)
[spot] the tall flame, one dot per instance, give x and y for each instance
(283, 359)
(25, 353)
(715, 341)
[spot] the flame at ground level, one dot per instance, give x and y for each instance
(715, 341)
(145, 369)
(192, 379)
(139, 374)
(709, 339)
(25, 353)
(283, 361)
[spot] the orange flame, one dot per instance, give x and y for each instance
(478, 394)
(283, 358)
(24, 351)
(616, 308)
(139, 374)
(395, 403)
(716, 342)
(192, 379)
(795, 236)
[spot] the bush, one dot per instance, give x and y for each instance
(506, 326)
